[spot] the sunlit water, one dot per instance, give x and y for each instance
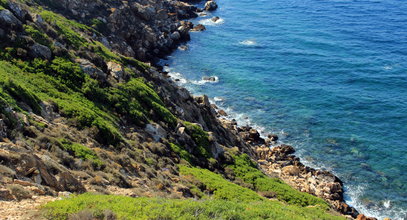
(330, 77)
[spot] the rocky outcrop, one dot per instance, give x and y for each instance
(211, 5)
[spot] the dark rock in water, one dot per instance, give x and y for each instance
(183, 47)
(273, 137)
(211, 5)
(199, 27)
(209, 78)
(40, 51)
(215, 19)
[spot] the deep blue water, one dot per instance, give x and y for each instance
(328, 76)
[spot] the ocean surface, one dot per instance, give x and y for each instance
(328, 76)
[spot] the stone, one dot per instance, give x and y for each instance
(175, 35)
(156, 131)
(210, 78)
(210, 5)
(18, 11)
(3, 129)
(363, 217)
(291, 170)
(215, 19)
(90, 69)
(222, 112)
(199, 27)
(22, 183)
(70, 184)
(6, 195)
(116, 70)
(202, 100)
(40, 51)
(7, 19)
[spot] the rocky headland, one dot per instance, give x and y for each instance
(85, 108)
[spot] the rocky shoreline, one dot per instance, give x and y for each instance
(277, 160)
(37, 152)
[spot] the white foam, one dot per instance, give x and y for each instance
(209, 22)
(203, 81)
(248, 42)
(218, 99)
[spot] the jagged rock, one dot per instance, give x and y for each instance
(70, 183)
(7, 19)
(21, 13)
(40, 51)
(32, 166)
(202, 100)
(363, 217)
(290, 170)
(211, 5)
(199, 27)
(156, 131)
(90, 69)
(209, 78)
(116, 70)
(3, 129)
(222, 112)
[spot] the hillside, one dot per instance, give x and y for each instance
(86, 115)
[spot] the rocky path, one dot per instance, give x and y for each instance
(24, 209)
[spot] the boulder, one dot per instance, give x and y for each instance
(40, 51)
(70, 184)
(7, 19)
(90, 69)
(222, 112)
(211, 5)
(116, 70)
(290, 171)
(18, 11)
(199, 27)
(175, 35)
(156, 131)
(209, 78)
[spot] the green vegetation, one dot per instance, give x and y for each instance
(181, 152)
(81, 151)
(67, 28)
(201, 138)
(247, 171)
(37, 35)
(161, 208)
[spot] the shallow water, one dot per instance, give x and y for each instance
(330, 77)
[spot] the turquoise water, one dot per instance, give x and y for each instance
(330, 77)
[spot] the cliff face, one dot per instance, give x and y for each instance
(80, 113)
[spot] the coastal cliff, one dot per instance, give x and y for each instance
(84, 108)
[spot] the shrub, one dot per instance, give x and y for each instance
(81, 151)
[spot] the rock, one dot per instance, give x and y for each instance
(2, 33)
(22, 182)
(40, 51)
(202, 100)
(64, 194)
(363, 217)
(272, 137)
(5, 194)
(116, 70)
(175, 35)
(18, 11)
(215, 19)
(3, 129)
(156, 131)
(71, 184)
(90, 69)
(199, 27)
(210, 78)
(222, 112)
(32, 166)
(7, 19)
(211, 5)
(183, 47)
(290, 170)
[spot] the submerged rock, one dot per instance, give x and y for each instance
(199, 27)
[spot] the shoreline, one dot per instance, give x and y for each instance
(278, 160)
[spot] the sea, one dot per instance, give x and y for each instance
(329, 77)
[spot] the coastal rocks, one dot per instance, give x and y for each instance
(215, 19)
(210, 5)
(185, 10)
(40, 51)
(363, 217)
(199, 27)
(250, 136)
(280, 162)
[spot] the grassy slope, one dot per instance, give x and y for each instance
(229, 201)
(62, 82)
